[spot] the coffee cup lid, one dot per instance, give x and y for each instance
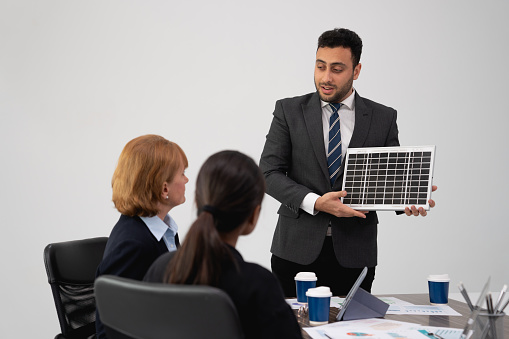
(320, 292)
(438, 277)
(306, 276)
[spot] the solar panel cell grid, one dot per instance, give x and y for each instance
(388, 178)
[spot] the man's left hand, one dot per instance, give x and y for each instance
(420, 211)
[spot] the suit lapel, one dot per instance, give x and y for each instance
(313, 118)
(362, 122)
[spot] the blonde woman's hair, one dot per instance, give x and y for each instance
(144, 165)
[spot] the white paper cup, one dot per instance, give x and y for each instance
(303, 282)
(319, 305)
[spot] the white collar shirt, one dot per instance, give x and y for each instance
(159, 227)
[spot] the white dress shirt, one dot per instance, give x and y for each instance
(159, 227)
(347, 124)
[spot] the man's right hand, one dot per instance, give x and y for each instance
(331, 203)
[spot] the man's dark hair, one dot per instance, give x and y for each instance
(342, 37)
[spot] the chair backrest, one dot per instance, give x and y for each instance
(144, 310)
(71, 268)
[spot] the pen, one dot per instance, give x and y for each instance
(465, 295)
(491, 322)
(503, 307)
(475, 312)
(434, 335)
(489, 303)
(500, 298)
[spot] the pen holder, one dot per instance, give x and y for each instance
(489, 326)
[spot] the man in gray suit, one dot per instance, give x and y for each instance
(315, 232)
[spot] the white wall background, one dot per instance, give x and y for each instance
(79, 79)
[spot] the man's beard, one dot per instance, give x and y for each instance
(338, 96)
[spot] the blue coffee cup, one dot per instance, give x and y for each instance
(319, 305)
(303, 282)
(438, 286)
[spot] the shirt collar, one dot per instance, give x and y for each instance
(349, 102)
(158, 227)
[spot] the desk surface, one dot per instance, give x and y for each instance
(426, 320)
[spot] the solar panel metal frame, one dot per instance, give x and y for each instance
(402, 161)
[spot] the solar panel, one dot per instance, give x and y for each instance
(388, 178)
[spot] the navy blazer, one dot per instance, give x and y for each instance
(130, 250)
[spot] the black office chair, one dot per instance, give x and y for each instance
(144, 310)
(71, 268)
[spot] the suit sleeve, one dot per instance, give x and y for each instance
(276, 162)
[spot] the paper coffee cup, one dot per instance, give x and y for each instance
(303, 282)
(438, 286)
(319, 305)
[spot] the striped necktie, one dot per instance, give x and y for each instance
(334, 149)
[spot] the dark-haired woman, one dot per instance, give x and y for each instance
(229, 192)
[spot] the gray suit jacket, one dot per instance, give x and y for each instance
(294, 164)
